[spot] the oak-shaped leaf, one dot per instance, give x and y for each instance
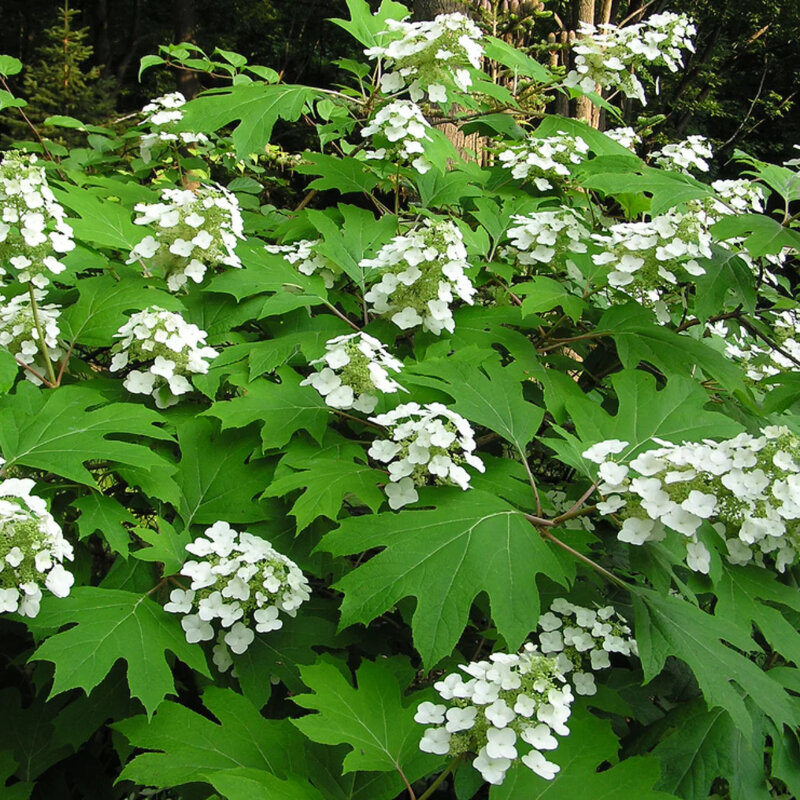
(325, 483)
(590, 744)
(59, 431)
(670, 626)
(471, 542)
(371, 717)
(187, 746)
(282, 407)
(110, 624)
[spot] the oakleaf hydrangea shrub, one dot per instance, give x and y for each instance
(194, 231)
(581, 640)
(357, 369)
(430, 56)
(20, 336)
(422, 273)
(34, 233)
(606, 53)
(240, 581)
(428, 444)
(747, 489)
(32, 550)
(547, 162)
(507, 710)
(303, 256)
(170, 348)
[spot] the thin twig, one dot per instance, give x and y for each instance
(576, 506)
(545, 534)
(531, 480)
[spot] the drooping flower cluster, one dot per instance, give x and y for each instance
(605, 54)
(546, 161)
(34, 232)
(429, 56)
(422, 272)
(18, 333)
(580, 639)
(303, 256)
(429, 444)
(356, 370)
(627, 137)
(643, 256)
(32, 550)
(169, 347)
(400, 130)
(684, 156)
(164, 112)
(241, 581)
(510, 703)
(547, 236)
(761, 360)
(747, 488)
(194, 230)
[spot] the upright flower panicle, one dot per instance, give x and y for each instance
(168, 346)
(240, 581)
(34, 232)
(303, 256)
(430, 56)
(32, 550)
(581, 639)
(162, 115)
(194, 231)
(746, 488)
(507, 710)
(422, 272)
(356, 370)
(546, 161)
(606, 55)
(691, 153)
(428, 444)
(19, 335)
(401, 130)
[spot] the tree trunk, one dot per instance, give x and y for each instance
(584, 108)
(185, 19)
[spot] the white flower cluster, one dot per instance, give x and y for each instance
(761, 360)
(172, 347)
(605, 54)
(428, 443)
(422, 273)
(684, 156)
(194, 230)
(742, 196)
(643, 255)
(508, 702)
(18, 333)
(32, 549)
(627, 137)
(240, 580)
(546, 236)
(33, 225)
(580, 639)
(401, 129)
(356, 369)
(429, 56)
(303, 256)
(545, 160)
(748, 488)
(165, 111)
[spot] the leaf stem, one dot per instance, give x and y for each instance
(531, 480)
(442, 775)
(545, 534)
(51, 375)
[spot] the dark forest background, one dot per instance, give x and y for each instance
(740, 88)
